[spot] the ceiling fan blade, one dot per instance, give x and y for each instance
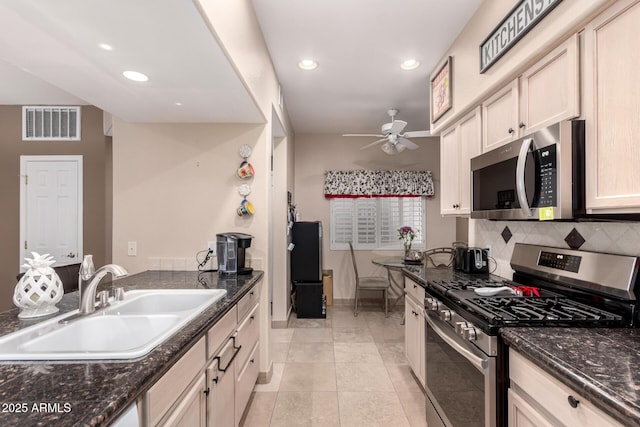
(373, 143)
(408, 144)
(363, 134)
(417, 134)
(397, 126)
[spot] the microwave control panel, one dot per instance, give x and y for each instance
(547, 176)
(560, 261)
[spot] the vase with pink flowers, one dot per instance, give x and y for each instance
(406, 234)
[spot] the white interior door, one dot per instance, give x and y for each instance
(51, 207)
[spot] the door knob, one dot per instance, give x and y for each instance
(511, 131)
(70, 255)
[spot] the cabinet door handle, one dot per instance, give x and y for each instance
(573, 401)
(252, 317)
(511, 131)
(522, 125)
(215, 380)
(235, 353)
(206, 392)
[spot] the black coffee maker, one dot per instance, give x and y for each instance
(231, 249)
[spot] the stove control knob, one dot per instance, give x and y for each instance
(434, 305)
(469, 333)
(445, 315)
(460, 326)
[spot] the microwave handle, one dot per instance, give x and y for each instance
(520, 167)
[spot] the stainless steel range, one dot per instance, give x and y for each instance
(466, 363)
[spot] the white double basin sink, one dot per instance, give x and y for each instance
(126, 329)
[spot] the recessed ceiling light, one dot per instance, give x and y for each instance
(410, 64)
(308, 64)
(179, 104)
(106, 46)
(135, 76)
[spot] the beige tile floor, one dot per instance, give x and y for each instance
(340, 371)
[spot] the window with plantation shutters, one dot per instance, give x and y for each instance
(372, 223)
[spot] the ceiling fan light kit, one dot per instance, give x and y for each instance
(394, 140)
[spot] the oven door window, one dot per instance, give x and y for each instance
(454, 384)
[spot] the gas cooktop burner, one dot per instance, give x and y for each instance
(468, 284)
(539, 310)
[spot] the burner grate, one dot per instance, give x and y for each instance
(535, 310)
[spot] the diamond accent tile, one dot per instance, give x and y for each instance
(574, 239)
(506, 234)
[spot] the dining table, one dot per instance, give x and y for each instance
(394, 266)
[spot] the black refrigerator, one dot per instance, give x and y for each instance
(306, 269)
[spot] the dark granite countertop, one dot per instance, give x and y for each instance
(95, 393)
(603, 365)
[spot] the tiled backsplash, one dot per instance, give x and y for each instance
(612, 237)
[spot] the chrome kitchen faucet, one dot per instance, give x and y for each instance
(89, 279)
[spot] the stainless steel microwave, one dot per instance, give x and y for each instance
(537, 177)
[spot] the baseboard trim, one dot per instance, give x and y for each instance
(265, 377)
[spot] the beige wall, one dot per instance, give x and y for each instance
(175, 187)
(469, 86)
(315, 154)
(94, 147)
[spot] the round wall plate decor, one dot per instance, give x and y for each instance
(244, 190)
(245, 151)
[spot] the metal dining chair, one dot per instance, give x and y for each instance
(377, 283)
(439, 257)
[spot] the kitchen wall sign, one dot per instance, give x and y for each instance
(522, 18)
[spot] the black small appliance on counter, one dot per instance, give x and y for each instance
(471, 260)
(231, 253)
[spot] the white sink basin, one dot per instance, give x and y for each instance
(127, 329)
(164, 301)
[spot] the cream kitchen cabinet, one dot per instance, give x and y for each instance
(458, 145)
(181, 387)
(610, 101)
(500, 117)
(414, 337)
(211, 384)
(546, 93)
(536, 398)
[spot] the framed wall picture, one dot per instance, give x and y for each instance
(441, 91)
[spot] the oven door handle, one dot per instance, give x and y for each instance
(520, 184)
(480, 363)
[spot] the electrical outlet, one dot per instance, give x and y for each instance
(488, 247)
(132, 248)
(211, 245)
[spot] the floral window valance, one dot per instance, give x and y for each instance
(365, 183)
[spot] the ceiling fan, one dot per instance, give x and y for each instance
(394, 140)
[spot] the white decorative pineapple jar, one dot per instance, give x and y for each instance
(40, 289)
